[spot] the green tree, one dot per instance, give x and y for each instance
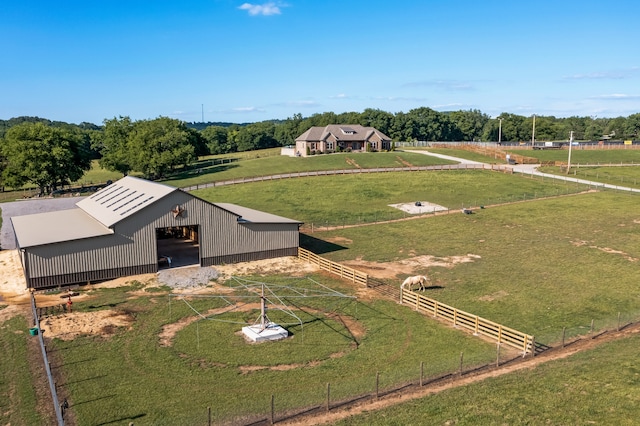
(468, 125)
(632, 126)
(216, 139)
(113, 145)
(381, 120)
(48, 157)
(156, 147)
(256, 136)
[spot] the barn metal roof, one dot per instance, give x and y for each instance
(53, 227)
(246, 214)
(123, 198)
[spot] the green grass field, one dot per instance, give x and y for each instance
(19, 400)
(600, 386)
(537, 265)
(350, 199)
(273, 165)
(541, 265)
(129, 377)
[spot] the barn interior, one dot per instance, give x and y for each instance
(178, 246)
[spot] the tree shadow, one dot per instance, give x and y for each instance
(318, 246)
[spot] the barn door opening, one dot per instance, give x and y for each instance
(178, 246)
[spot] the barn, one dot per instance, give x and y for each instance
(135, 226)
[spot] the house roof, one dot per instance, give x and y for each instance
(344, 132)
(248, 215)
(53, 227)
(122, 199)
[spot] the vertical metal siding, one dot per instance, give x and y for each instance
(132, 248)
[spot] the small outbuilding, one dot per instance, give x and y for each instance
(135, 226)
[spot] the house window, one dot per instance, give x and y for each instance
(347, 131)
(330, 145)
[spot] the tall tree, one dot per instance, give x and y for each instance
(48, 157)
(216, 139)
(113, 145)
(156, 147)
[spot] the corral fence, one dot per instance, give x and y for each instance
(36, 330)
(335, 268)
(478, 325)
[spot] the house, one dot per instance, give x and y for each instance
(340, 138)
(135, 226)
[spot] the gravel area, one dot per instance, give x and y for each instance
(187, 278)
(419, 207)
(29, 206)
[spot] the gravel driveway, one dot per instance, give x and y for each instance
(30, 206)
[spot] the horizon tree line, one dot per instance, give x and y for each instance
(52, 154)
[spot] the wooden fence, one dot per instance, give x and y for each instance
(473, 323)
(344, 272)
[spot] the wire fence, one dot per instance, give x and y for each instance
(385, 385)
(36, 330)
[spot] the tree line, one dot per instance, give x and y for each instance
(52, 154)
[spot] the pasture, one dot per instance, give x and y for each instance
(541, 257)
(352, 199)
(125, 374)
(599, 386)
(273, 165)
(538, 266)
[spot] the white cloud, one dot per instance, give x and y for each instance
(265, 9)
(247, 109)
(617, 96)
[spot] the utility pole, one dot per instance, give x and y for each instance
(533, 133)
(570, 144)
(500, 131)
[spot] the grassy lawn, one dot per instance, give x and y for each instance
(467, 155)
(613, 175)
(537, 266)
(130, 377)
(19, 401)
(586, 156)
(274, 165)
(540, 266)
(600, 386)
(348, 199)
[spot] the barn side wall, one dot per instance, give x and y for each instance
(132, 249)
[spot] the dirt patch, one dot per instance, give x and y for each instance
(353, 163)
(403, 161)
(281, 265)
(13, 285)
(411, 265)
(169, 331)
(68, 326)
(340, 240)
(491, 297)
(627, 256)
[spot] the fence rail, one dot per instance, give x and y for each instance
(473, 323)
(344, 272)
(47, 366)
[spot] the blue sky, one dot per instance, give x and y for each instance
(240, 61)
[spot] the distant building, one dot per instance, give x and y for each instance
(340, 138)
(135, 226)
